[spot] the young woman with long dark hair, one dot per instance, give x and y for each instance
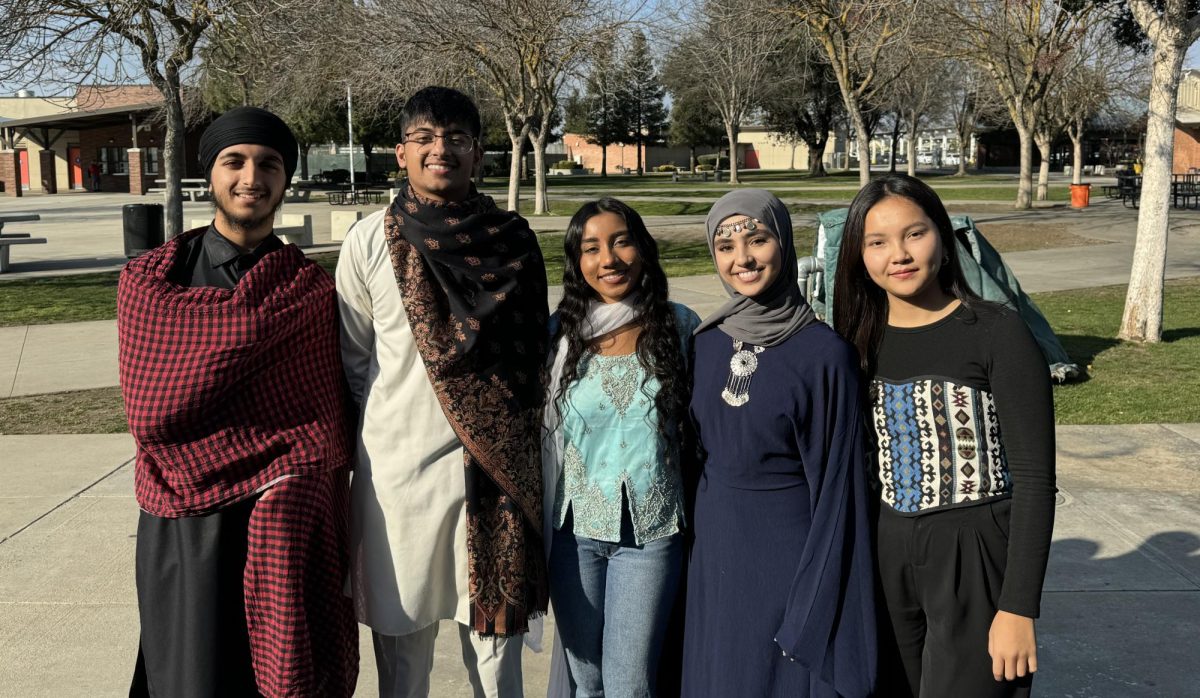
(964, 448)
(616, 414)
(780, 586)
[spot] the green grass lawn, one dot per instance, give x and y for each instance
(58, 299)
(657, 203)
(97, 411)
(1127, 383)
(568, 207)
(756, 178)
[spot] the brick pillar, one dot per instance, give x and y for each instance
(49, 171)
(10, 172)
(136, 185)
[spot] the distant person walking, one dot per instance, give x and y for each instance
(94, 175)
(232, 381)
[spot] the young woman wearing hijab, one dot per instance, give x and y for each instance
(618, 395)
(780, 596)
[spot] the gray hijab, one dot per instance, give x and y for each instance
(778, 312)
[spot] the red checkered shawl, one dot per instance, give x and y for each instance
(233, 392)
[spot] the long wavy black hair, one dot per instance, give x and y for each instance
(658, 345)
(860, 307)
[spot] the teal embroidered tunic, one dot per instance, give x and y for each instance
(611, 446)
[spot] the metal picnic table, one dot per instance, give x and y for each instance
(17, 218)
(7, 240)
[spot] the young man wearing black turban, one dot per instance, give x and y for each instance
(232, 381)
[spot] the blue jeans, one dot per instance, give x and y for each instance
(612, 602)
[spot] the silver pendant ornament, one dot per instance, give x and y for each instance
(741, 369)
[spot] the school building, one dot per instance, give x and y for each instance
(757, 148)
(102, 138)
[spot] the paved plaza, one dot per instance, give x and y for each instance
(1121, 611)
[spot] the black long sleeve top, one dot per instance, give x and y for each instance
(963, 414)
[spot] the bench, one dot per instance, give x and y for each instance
(10, 239)
(297, 195)
(191, 189)
(1131, 191)
(678, 176)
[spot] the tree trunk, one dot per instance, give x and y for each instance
(639, 157)
(895, 142)
(691, 158)
(173, 154)
(864, 144)
(304, 160)
(514, 172)
(1025, 183)
(911, 155)
(1142, 321)
(604, 160)
(731, 133)
(964, 141)
(517, 138)
(1043, 142)
(816, 156)
(1076, 156)
(367, 148)
(539, 176)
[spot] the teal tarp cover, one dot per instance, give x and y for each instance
(984, 269)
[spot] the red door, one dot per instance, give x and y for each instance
(751, 156)
(74, 167)
(23, 156)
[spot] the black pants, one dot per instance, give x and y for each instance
(191, 602)
(941, 575)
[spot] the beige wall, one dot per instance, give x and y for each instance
(775, 153)
(1189, 90)
(25, 107)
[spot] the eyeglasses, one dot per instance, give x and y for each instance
(747, 224)
(457, 143)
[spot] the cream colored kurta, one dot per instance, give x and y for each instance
(408, 502)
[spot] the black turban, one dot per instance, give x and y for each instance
(248, 125)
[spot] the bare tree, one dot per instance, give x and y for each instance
(71, 42)
(919, 99)
(973, 102)
(1169, 27)
(728, 54)
(855, 34)
(1023, 46)
(522, 52)
(78, 41)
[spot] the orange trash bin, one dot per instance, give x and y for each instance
(1080, 193)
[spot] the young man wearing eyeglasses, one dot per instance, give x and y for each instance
(443, 312)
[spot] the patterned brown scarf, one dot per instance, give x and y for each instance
(474, 288)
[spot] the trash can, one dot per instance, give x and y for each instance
(1080, 194)
(143, 224)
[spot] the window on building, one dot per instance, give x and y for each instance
(150, 160)
(113, 161)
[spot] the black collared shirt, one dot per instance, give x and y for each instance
(211, 260)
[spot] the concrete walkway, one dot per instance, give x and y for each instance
(1120, 615)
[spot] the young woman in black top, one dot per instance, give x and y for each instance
(964, 448)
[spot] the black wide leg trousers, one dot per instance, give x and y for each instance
(941, 574)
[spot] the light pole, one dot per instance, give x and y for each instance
(350, 131)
